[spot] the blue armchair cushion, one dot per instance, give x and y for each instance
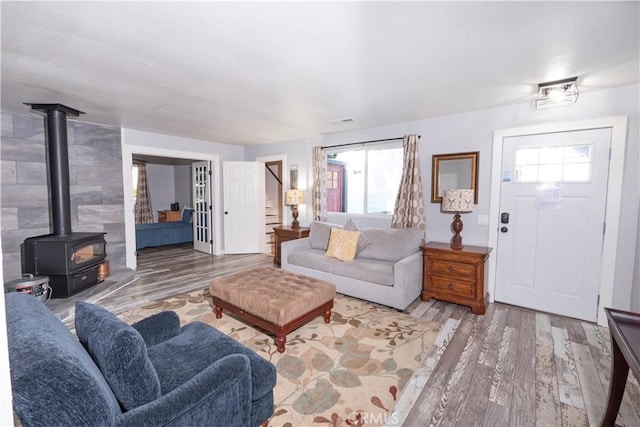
(121, 354)
(158, 327)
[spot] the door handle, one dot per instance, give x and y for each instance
(226, 212)
(504, 229)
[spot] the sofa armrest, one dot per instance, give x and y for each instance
(218, 395)
(408, 270)
(158, 327)
(293, 246)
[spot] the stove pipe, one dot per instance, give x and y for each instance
(58, 152)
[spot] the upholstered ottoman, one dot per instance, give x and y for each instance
(275, 300)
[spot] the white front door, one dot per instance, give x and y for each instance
(552, 205)
(244, 207)
(202, 209)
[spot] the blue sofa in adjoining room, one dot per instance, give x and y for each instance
(151, 373)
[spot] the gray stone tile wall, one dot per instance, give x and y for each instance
(95, 174)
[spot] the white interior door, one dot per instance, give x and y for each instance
(552, 204)
(244, 207)
(202, 209)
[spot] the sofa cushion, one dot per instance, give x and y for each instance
(342, 244)
(363, 241)
(392, 244)
(120, 353)
(319, 233)
(368, 270)
(313, 259)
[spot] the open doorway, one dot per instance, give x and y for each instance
(129, 152)
(273, 205)
(276, 182)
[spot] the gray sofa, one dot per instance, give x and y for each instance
(388, 270)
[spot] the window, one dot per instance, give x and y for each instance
(364, 180)
(561, 163)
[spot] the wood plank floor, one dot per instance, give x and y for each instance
(510, 367)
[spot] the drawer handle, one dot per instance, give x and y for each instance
(450, 286)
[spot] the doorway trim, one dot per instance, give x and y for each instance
(129, 220)
(618, 126)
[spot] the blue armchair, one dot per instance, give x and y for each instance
(152, 373)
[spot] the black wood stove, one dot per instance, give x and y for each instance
(71, 260)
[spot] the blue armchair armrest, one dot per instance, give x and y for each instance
(158, 327)
(220, 395)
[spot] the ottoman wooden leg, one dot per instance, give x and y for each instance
(280, 340)
(327, 316)
(218, 311)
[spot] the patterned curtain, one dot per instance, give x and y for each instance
(142, 208)
(409, 209)
(319, 190)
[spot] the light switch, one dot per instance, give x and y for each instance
(483, 219)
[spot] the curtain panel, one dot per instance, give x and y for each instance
(319, 190)
(409, 208)
(142, 207)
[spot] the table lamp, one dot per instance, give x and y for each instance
(294, 198)
(457, 201)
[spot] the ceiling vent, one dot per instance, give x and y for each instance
(341, 121)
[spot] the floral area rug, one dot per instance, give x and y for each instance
(349, 372)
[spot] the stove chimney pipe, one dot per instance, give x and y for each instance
(58, 151)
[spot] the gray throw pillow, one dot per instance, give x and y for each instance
(319, 233)
(120, 353)
(363, 241)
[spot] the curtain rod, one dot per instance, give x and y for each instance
(366, 142)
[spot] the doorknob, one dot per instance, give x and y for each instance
(226, 212)
(504, 229)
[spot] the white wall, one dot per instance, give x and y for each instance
(6, 398)
(473, 131)
(182, 185)
(161, 182)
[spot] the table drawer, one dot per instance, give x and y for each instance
(452, 286)
(449, 268)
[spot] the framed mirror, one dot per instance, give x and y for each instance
(451, 171)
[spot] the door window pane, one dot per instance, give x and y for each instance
(563, 163)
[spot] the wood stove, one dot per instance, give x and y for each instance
(71, 260)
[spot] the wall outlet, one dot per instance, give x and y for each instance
(483, 219)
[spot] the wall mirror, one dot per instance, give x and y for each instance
(451, 171)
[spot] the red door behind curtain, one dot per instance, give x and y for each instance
(334, 187)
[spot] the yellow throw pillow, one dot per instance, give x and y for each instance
(342, 244)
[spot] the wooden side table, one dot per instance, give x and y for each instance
(455, 276)
(169, 216)
(284, 234)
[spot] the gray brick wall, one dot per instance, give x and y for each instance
(95, 173)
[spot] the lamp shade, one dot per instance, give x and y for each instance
(457, 200)
(294, 197)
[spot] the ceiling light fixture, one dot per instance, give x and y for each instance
(558, 92)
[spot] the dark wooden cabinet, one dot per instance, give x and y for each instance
(455, 276)
(284, 234)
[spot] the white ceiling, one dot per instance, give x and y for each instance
(257, 72)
